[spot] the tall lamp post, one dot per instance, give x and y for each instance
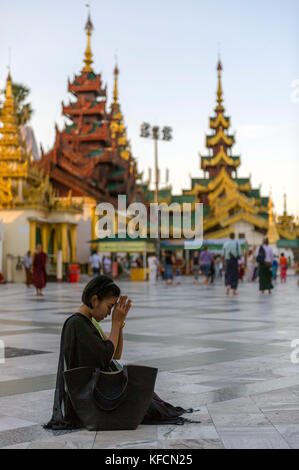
(153, 132)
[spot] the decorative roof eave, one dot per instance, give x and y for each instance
(98, 108)
(220, 157)
(245, 217)
(286, 233)
(212, 221)
(219, 233)
(239, 201)
(224, 186)
(197, 189)
(245, 187)
(222, 177)
(213, 140)
(220, 120)
(82, 83)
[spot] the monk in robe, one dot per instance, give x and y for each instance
(39, 270)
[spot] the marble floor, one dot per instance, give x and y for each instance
(228, 357)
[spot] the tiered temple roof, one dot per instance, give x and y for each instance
(91, 155)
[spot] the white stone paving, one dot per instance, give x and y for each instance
(227, 357)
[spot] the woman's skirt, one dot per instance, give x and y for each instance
(265, 277)
(283, 272)
(168, 274)
(232, 273)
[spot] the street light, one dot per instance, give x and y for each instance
(153, 132)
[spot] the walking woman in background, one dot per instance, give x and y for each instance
(264, 257)
(39, 270)
(251, 265)
(283, 268)
(169, 263)
(195, 266)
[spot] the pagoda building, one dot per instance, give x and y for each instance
(29, 209)
(91, 157)
(230, 202)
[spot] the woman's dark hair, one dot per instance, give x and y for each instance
(101, 286)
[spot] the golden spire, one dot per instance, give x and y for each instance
(219, 89)
(10, 148)
(270, 210)
(272, 233)
(285, 212)
(88, 54)
(115, 90)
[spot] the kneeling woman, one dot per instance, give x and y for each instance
(83, 344)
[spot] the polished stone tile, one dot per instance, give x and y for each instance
(229, 357)
(290, 432)
(253, 437)
(7, 423)
(125, 439)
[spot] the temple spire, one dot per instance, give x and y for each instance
(115, 89)
(219, 107)
(272, 233)
(285, 211)
(88, 54)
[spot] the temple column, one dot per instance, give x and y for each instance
(64, 242)
(32, 241)
(45, 237)
(93, 226)
(74, 243)
(55, 243)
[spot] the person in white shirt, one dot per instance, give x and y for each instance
(153, 268)
(27, 263)
(264, 256)
(95, 261)
(231, 252)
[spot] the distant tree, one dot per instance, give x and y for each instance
(24, 111)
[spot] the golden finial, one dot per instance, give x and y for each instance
(115, 90)
(219, 90)
(8, 92)
(285, 212)
(88, 54)
(270, 209)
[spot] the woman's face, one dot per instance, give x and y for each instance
(102, 309)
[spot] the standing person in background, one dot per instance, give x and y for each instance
(107, 266)
(212, 271)
(169, 263)
(27, 263)
(39, 270)
(179, 265)
(274, 268)
(95, 262)
(217, 266)
(264, 256)
(205, 261)
(195, 266)
(241, 265)
(231, 253)
(251, 264)
(283, 267)
(153, 264)
(162, 264)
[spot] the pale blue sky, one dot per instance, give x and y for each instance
(167, 54)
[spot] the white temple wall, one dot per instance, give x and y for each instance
(252, 237)
(16, 239)
(84, 233)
